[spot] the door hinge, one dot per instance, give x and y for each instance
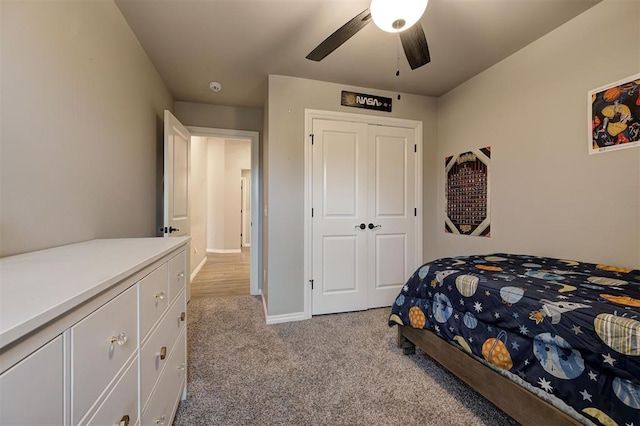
(311, 136)
(311, 282)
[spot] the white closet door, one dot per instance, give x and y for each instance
(340, 173)
(364, 220)
(392, 251)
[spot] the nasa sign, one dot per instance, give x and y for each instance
(361, 100)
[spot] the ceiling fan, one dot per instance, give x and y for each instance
(396, 16)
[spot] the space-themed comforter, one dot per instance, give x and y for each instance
(567, 331)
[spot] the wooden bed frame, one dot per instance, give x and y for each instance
(522, 405)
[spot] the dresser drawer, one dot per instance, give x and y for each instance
(154, 298)
(166, 396)
(121, 403)
(31, 392)
(100, 346)
(177, 274)
(151, 362)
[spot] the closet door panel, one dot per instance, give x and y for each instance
(339, 202)
(391, 212)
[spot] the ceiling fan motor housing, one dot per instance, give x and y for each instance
(397, 15)
(398, 24)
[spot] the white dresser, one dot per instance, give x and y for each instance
(94, 333)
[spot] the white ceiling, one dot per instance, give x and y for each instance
(240, 42)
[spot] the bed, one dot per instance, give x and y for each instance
(548, 341)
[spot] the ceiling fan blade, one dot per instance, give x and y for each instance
(415, 46)
(341, 35)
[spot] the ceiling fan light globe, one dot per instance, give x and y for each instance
(394, 16)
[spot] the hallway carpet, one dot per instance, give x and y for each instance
(340, 369)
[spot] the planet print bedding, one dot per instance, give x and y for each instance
(568, 331)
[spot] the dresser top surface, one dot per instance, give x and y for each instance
(37, 287)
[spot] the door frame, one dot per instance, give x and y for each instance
(309, 116)
(255, 285)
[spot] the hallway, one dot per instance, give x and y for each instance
(223, 275)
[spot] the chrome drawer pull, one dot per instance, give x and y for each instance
(163, 352)
(182, 316)
(160, 296)
(120, 339)
(181, 367)
(124, 421)
(180, 274)
(161, 420)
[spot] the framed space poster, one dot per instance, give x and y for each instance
(467, 193)
(614, 116)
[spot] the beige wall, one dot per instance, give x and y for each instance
(548, 196)
(246, 205)
(219, 116)
(198, 200)
(288, 99)
(215, 193)
(237, 157)
(81, 107)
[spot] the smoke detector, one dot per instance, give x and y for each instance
(215, 86)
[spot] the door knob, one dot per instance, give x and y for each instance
(372, 226)
(361, 226)
(120, 339)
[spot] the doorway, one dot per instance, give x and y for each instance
(227, 158)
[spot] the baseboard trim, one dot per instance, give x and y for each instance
(277, 319)
(195, 271)
(222, 251)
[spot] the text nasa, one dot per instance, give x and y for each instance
(364, 100)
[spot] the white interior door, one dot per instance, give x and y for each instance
(339, 209)
(364, 242)
(176, 177)
(392, 253)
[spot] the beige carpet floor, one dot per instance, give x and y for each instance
(341, 369)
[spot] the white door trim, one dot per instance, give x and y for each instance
(255, 286)
(309, 116)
